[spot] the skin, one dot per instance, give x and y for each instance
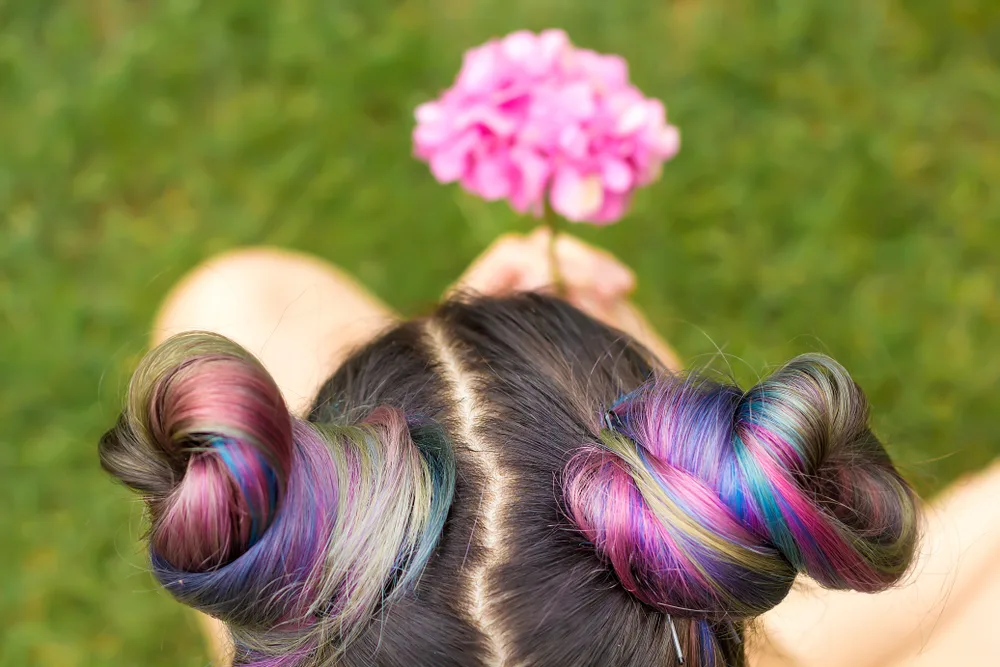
(302, 316)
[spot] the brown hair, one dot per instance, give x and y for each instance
(521, 573)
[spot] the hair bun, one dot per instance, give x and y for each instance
(293, 533)
(207, 435)
(707, 501)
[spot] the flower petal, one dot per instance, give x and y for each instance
(529, 189)
(491, 177)
(428, 138)
(480, 69)
(429, 112)
(617, 175)
(667, 142)
(487, 117)
(632, 119)
(449, 166)
(576, 197)
(613, 71)
(452, 162)
(606, 72)
(577, 100)
(573, 141)
(613, 209)
(552, 44)
(521, 47)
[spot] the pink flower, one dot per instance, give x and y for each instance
(532, 116)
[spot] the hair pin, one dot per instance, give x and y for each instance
(612, 421)
(677, 641)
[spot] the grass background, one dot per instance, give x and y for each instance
(837, 191)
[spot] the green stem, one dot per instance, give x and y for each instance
(552, 222)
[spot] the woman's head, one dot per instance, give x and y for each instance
(505, 482)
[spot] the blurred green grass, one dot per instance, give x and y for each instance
(836, 191)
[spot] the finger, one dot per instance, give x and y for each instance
(536, 272)
(597, 308)
(499, 268)
(585, 267)
(597, 269)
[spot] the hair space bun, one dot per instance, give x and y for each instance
(707, 500)
(291, 532)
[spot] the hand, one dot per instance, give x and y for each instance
(593, 280)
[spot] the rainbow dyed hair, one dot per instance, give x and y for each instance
(707, 500)
(412, 520)
(293, 533)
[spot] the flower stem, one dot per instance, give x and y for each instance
(552, 222)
